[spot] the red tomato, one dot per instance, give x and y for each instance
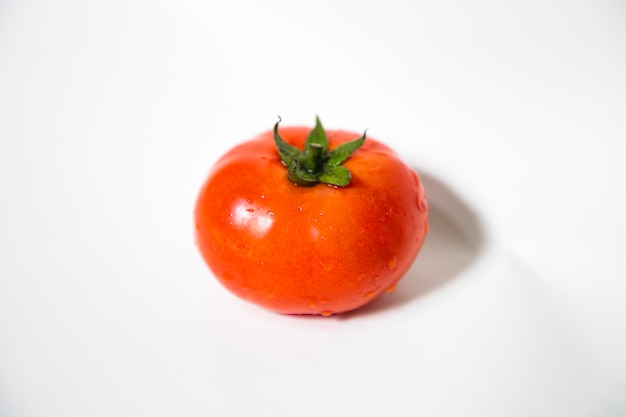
(297, 248)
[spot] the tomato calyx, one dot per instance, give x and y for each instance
(316, 164)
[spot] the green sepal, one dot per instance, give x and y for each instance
(336, 175)
(316, 164)
(317, 137)
(342, 152)
(286, 151)
(300, 176)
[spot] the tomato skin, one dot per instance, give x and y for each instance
(310, 250)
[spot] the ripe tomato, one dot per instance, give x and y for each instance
(273, 238)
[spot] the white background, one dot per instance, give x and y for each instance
(112, 112)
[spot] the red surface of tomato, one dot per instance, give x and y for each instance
(310, 249)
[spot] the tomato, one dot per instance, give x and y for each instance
(276, 237)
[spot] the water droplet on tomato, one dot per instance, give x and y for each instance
(270, 213)
(369, 294)
(326, 313)
(250, 210)
(392, 288)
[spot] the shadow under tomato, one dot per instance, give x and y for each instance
(455, 241)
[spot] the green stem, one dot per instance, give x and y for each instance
(316, 164)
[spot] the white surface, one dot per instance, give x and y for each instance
(112, 112)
